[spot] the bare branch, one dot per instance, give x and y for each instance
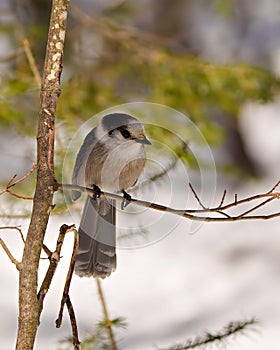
(256, 207)
(196, 197)
(54, 260)
(8, 185)
(29, 305)
(11, 183)
(47, 251)
(76, 341)
(14, 216)
(18, 228)
(66, 298)
(19, 196)
(10, 255)
(206, 214)
(274, 187)
(223, 214)
(108, 322)
(68, 278)
(34, 166)
(31, 62)
(223, 198)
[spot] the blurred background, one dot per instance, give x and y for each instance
(218, 62)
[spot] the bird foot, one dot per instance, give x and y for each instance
(96, 192)
(126, 200)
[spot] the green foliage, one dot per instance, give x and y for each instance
(131, 67)
(223, 7)
(19, 103)
(140, 71)
(220, 337)
(99, 338)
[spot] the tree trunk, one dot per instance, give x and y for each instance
(29, 311)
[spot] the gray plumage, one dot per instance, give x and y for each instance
(112, 157)
(96, 256)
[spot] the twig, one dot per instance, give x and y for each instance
(15, 216)
(8, 185)
(10, 255)
(47, 251)
(233, 328)
(34, 166)
(31, 61)
(223, 198)
(108, 322)
(236, 202)
(19, 196)
(191, 214)
(54, 260)
(274, 187)
(11, 183)
(223, 214)
(65, 297)
(76, 341)
(196, 196)
(256, 207)
(14, 228)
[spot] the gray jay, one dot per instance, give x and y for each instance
(111, 158)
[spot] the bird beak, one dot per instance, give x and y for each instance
(143, 140)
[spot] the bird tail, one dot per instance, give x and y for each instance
(97, 239)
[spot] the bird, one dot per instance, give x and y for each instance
(111, 158)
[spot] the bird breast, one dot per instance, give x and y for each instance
(117, 168)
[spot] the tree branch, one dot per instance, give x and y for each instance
(12, 182)
(31, 62)
(19, 196)
(233, 328)
(108, 322)
(14, 228)
(10, 255)
(54, 258)
(204, 214)
(236, 202)
(66, 298)
(76, 341)
(6, 249)
(29, 306)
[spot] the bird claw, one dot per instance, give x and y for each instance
(96, 192)
(126, 200)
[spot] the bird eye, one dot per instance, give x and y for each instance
(125, 133)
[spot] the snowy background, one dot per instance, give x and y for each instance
(184, 283)
(181, 285)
